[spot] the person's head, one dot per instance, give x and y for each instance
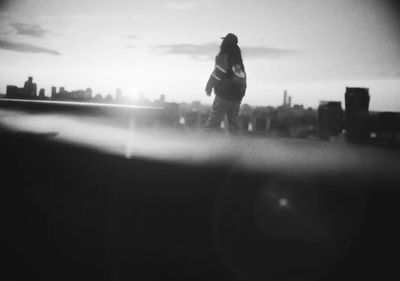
(229, 45)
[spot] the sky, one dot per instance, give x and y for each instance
(312, 48)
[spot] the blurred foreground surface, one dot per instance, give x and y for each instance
(85, 198)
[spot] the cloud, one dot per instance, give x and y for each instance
(26, 48)
(198, 52)
(267, 52)
(208, 51)
(33, 30)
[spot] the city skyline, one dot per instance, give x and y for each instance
(314, 49)
(31, 91)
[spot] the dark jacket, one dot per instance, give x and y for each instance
(228, 79)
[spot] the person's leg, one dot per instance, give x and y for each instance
(217, 113)
(233, 117)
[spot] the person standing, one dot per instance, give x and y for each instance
(228, 80)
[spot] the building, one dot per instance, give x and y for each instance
(385, 128)
(88, 94)
(170, 115)
(192, 119)
(29, 91)
(284, 98)
(53, 92)
(41, 94)
(330, 119)
(160, 101)
(108, 98)
(357, 114)
(260, 127)
(12, 91)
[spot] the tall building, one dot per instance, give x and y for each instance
(162, 99)
(30, 89)
(53, 92)
(284, 98)
(357, 114)
(88, 94)
(329, 119)
(63, 94)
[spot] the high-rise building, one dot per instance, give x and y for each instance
(330, 119)
(88, 94)
(162, 99)
(53, 92)
(30, 89)
(357, 114)
(284, 98)
(62, 94)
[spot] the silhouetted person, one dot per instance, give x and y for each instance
(228, 80)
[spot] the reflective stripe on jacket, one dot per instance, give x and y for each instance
(227, 79)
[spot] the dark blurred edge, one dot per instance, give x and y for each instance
(75, 213)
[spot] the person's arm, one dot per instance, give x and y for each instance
(220, 71)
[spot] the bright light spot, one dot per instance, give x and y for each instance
(182, 120)
(283, 202)
(133, 93)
